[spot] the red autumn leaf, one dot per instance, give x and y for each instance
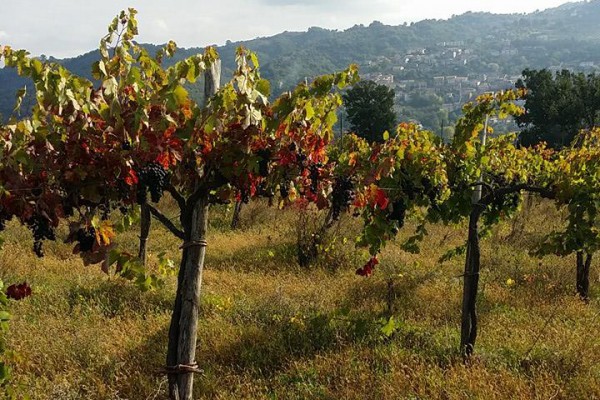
(312, 197)
(18, 291)
(164, 160)
(375, 154)
(169, 132)
(132, 178)
(381, 199)
(367, 269)
(360, 200)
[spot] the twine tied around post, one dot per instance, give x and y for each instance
(193, 243)
(183, 369)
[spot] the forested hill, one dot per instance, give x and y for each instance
(433, 65)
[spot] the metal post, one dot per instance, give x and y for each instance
(482, 137)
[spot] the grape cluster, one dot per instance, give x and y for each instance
(342, 196)
(42, 229)
(153, 178)
(314, 177)
(86, 238)
(398, 213)
(263, 163)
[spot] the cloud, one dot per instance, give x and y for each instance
(317, 7)
(162, 24)
(3, 34)
(292, 2)
(310, 3)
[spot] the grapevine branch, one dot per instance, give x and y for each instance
(544, 192)
(178, 197)
(503, 191)
(484, 184)
(166, 222)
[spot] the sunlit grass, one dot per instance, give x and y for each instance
(272, 330)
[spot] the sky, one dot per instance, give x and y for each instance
(67, 28)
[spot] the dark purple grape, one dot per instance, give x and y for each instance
(42, 229)
(86, 238)
(342, 196)
(263, 163)
(398, 212)
(152, 178)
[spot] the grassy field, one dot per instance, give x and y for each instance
(272, 330)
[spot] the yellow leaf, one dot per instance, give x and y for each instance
(180, 95)
(293, 195)
(105, 234)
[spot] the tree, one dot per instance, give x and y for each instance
(139, 133)
(370, 109)
(557, 107)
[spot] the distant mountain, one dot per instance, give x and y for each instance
(433, 65)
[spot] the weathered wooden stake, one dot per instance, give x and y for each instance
(181, 352)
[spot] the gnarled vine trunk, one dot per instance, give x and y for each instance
(584, 262)
(468, 328)
(235, 220)
(308, 243)
(468, 333)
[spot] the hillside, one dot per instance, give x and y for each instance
(434, 65)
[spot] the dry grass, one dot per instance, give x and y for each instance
(271, 330)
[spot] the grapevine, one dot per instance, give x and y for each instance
(105, 147)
